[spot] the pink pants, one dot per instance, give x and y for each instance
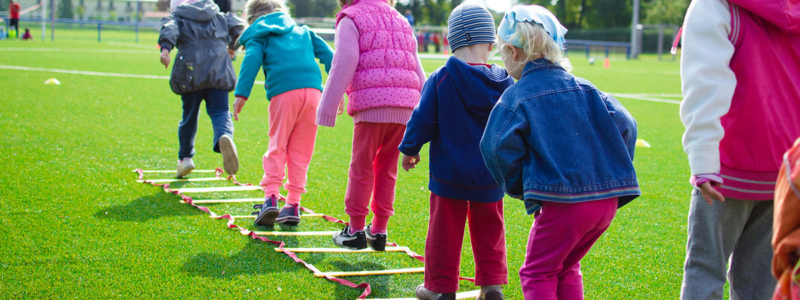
(292, 133)
(561, 236)
(373, 172)
(446, 235)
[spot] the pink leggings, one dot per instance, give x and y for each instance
(292, 133)
(446, 235)
(373, 173)
(561, 236)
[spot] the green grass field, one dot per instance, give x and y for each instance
(75, 224)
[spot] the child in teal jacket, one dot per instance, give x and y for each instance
(287, 53)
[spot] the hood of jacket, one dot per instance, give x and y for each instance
(198, 11)
(276, 23)
(785, 14)
(478, 87)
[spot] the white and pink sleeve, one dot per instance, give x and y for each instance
(707, 82)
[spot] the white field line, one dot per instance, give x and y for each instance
(254, 216)
(227, 200)
(645, 97)
(119, 51)
(291, 233)
(91, 73)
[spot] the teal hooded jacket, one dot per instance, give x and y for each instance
(287, 54)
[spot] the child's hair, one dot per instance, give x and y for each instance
(257, 8)
(342, 3)
(537, 42)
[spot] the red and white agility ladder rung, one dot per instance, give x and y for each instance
(332, 276)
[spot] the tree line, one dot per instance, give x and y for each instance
(574, 14)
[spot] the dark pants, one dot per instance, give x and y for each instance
(217, 108)
(14, 23)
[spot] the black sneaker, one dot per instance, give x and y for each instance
(375, 241)
(355, 241)
(269, 211)
(289, 215)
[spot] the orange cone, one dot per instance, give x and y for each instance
(607, 63)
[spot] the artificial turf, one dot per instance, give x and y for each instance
(75, 224)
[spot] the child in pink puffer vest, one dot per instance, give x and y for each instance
(376, 64)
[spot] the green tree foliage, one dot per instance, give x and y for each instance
(665, 11)
(313, 8)
(588, 14)
(65, 10)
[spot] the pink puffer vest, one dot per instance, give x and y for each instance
(385, 76)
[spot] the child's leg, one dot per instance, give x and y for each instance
(715, 231)
(219, 112)
(366, 142)
(751, 261)
(385, 166)
(283, 111)
(301, 145)
(187, 129)
(443, 245)
(561, 235)
(487, 232)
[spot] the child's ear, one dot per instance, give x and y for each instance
(514, 53)
(491, 47)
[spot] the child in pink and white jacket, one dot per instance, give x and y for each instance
(376, 64)
(740, 73)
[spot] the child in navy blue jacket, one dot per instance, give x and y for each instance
(455, 106)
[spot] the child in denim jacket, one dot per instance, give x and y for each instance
(562, 146)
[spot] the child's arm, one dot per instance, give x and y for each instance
(708, 84)
(624, 121)
(251, 64)
(343, 68)
(422, 127)
(235, 29)
(503, 148)
(168, 37)
(322, 51)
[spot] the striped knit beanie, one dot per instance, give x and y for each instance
(469, 24)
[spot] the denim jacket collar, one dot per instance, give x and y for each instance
(538, 65)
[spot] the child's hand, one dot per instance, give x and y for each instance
(410, 162)
(710, 193)
(165, 58)
(238, 104)
(340, 110)
(231, 53)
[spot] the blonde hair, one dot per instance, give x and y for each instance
(342, 3)
(537, 42)
(257, 8)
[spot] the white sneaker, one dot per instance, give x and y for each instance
(230, 161)
(185, 166)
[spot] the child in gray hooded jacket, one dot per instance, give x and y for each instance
(205, 40)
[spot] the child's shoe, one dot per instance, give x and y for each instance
(426, 294)
(185, 166)
(290, 215)
(491, 292)
(269, 211)
(375, 241)
(355, 241)
(230, 161)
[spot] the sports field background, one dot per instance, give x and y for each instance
(75, 224)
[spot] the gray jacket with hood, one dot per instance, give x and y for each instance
(202, 35)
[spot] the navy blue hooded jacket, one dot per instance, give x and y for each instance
(452, 114)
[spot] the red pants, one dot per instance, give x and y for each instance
(560, 237)
(373, 171)
(446, 235)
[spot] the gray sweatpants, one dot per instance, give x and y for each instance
(736, 232)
